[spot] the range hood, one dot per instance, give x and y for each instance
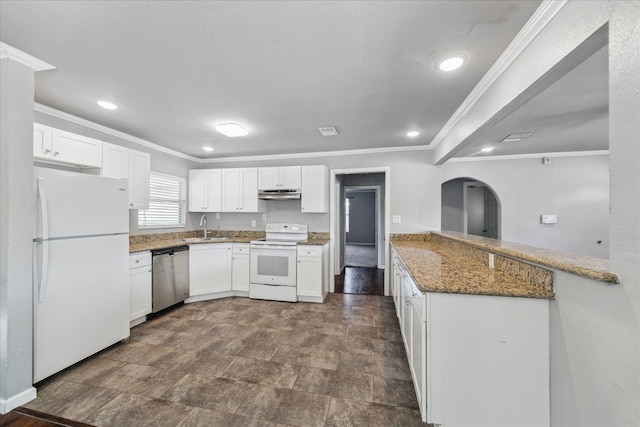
(279, 194)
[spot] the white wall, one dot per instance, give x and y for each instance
(574, 188)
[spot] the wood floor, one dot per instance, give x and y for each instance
(360, 281)
(24, 417)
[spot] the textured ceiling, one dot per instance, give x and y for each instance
(281, 68)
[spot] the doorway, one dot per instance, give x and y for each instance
(470, 206)
(359, 204)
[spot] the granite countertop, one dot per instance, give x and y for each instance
(436, 268)
(150, 242)
(581, 265)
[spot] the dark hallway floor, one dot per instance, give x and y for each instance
(360, 281)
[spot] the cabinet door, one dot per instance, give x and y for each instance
(231, 190)
(269, 178)
(291, 177)
(315, 198)
(205, 188)
(115, 162)
(405, 303)
(209, 269)
(249, 188)
(139, 292)
(42, 141)
(68, 147)
(240, 273)
(309, 276)
(418, 356)
(139, 171)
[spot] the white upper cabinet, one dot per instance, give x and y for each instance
(315, 197)
(115, 161)
(280, 178)
(205, 190)
(139, 171)
(65, 147)
(135, 166)
(240, 190)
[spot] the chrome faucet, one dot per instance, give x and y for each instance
(203, 222)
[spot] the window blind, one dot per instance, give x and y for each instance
(167, 202)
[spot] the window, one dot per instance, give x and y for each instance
(346, 215)
(167, 202)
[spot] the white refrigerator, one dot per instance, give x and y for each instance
(81, 270)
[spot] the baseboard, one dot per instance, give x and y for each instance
(7, 405)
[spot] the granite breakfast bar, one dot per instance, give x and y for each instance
(476, 330)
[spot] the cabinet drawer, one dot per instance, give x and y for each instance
(139, 259)
(315, 251)
(240, 248)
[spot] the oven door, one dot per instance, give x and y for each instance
(274, 266)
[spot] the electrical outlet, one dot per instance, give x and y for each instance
(397, 219)
(548, 219)
(253, 222)
(264, 217)
(217, 215)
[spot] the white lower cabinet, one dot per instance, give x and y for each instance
(139, 287)
(475, 359)
(312, 273)
(209, 271)
(240, 269)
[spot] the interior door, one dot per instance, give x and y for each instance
(490, 214)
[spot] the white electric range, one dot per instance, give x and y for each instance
(273, 262)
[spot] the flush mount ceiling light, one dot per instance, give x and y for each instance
(413, 133)
(514, 137)
(451, 63)
(107, 105)
(487, 149)
(231, 129)
(328, 131)
(207, 148)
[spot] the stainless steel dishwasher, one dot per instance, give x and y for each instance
(170, 277)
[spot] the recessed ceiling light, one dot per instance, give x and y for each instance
(487, 149)
(107, 105)
(231, 129)
(451, 63)
(514, 137)
(328, 131)
(413, 133)
(207, 148)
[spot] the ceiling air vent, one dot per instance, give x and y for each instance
(328, 131)
(514, 137)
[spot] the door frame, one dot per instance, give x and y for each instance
(334, 221)
(377, 221)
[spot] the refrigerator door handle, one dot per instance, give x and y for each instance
(44, 214)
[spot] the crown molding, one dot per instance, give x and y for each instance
(530, 156)
(317, 154)
(10, 52)
(86, 123)
(538, 21)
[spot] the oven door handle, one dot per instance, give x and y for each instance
(267, 247)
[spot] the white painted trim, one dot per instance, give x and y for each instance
(332, 218)
(86, 123)
(538, 21)
(7, 405)
(10, 52)
(317, 154)
(530, 156)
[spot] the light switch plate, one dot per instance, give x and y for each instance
(264, 217)
(397, 219)
(253, 222)
(548, 219)
(217, 215)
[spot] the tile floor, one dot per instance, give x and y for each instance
(242, 362)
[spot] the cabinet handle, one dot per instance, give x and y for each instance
(137, 261)
(408, 302)
(47, 151)
(56, 153)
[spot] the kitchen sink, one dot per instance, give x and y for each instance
(207, 239)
